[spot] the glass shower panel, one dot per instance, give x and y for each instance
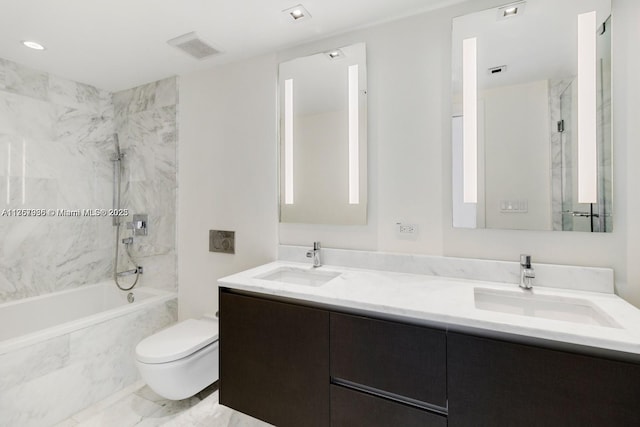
(575, 216)
(605, 191)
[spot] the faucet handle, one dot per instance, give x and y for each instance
(316, 246)
(525, 261)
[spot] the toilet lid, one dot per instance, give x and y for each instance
(177, 341)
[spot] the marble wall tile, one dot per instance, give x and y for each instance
(160, 272)
(79, 126)
(80, 265)
(146, 122)
(2, 73)
(133, 100)
(26, 117)
(27, 363)
(26, 81)
(27, 277)
(24, 405)
(166, 93)
(56, 143)
(76, 95)
(558, 276)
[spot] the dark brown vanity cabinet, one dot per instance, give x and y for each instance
(293, 365)
(274, 360)
(378, 364)
(497, 383)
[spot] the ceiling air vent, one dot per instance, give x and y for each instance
(194, 46)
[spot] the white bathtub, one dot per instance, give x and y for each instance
(35, 319)
(62, 352)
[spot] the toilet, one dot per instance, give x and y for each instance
(181, 360)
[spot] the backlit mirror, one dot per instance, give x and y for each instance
(323, 141)
(531, 125)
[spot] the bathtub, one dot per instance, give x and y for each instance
(62, 352)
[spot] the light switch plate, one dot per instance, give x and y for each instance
(222, 241)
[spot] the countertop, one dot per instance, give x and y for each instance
(448, 302)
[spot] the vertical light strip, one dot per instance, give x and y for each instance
(354, 136)
(8, 173)
(587, 159)
(24, 171)
(288, 141)
(470, 120)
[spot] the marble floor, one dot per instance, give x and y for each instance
(139, 406)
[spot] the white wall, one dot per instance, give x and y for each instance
(409, 127)
(226, 175)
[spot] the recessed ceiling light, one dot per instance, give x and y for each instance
(511, 11)
(297, 13)
(32, 45)
(335, 54)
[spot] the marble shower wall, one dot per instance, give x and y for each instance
(560, 152)
(145, 120)
(55, 149)
(54, 154)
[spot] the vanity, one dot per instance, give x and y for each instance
(391, 340)
(339, 346)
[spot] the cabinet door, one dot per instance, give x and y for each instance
(274, 360)
(405, 360)
(351, 408)
(496, 383)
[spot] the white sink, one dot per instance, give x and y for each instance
(527, 303)
(299, 276)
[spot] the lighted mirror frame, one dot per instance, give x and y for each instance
(300, 201)
(468, 170)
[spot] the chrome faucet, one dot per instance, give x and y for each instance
(526, 272)
(315, 254)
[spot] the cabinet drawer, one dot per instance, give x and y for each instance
(405, 360)
(351, 408)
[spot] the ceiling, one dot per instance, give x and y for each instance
(119, 44)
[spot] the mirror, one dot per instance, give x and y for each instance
(323, 137)
(531, 125)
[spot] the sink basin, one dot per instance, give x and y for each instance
(299, 276)
(527, 303)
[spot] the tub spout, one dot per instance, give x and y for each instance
(137, 270)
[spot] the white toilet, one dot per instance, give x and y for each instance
(180, 360)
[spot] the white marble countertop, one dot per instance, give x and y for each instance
(448, 301)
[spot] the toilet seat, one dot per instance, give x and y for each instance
(177, 341)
